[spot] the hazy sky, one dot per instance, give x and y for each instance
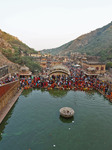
(43, 24)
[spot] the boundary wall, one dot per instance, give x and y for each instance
(7, 92)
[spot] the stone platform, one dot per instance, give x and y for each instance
(66, 112)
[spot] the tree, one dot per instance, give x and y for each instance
(109, 65)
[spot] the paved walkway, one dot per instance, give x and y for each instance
(107, 79)
(7, 108)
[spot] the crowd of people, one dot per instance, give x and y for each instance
(9, 79)
(77, 80)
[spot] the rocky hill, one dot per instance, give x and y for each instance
(12, 67)
(9, 42)
(14, 52)
(97, 42)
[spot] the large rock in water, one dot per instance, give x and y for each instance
(66, 112)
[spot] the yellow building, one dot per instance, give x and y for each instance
(43, 64)
(35, 55)
(53, 63)
(93, 68)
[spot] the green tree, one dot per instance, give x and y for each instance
(109, 65)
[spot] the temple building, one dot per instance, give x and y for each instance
(59, 70)
(93, 68)
(24, 72)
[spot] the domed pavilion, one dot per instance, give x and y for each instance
(59, 70)
(25, 72)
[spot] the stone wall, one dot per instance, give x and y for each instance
(3, 71)
(7, 92)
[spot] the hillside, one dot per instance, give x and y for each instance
(97, 42)
(13, 44)
(16, 52)
(12, 67)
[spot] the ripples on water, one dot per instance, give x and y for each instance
(35, 123)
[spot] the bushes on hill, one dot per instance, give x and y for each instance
(22, 60)
(109, 65)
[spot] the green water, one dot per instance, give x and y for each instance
(34, 122)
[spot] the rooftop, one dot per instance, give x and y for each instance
(94, 63)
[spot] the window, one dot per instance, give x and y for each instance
(102, 68)
(97, 68)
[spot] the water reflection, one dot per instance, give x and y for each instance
(66, 120)
(5, 121)
(38, 125)
(27, 92)
(58, 93)
(54, 92)
(90, 92)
